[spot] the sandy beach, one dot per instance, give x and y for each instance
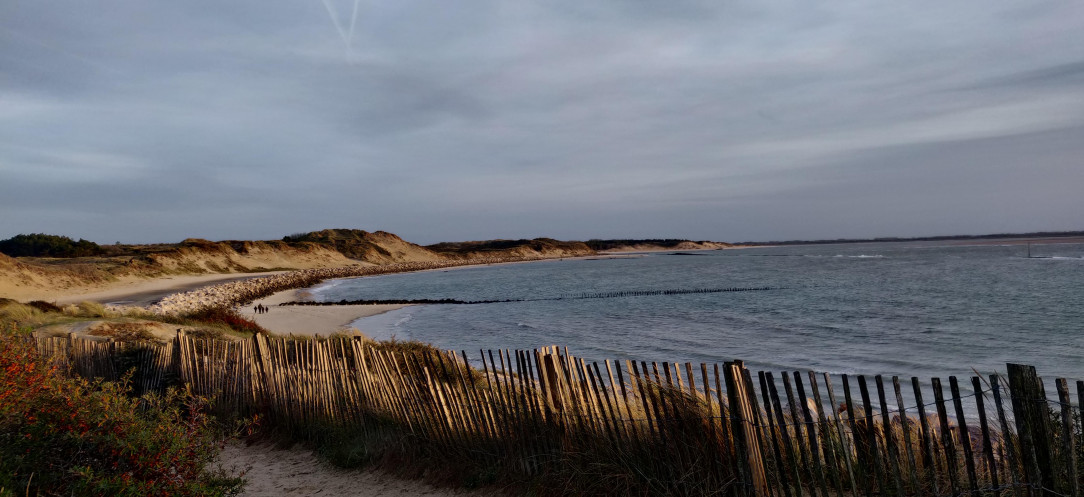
(132, 291)
(143, 292)
(270, 471)
(309, 319)
(281, 320)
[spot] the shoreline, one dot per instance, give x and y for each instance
(301, 320)
(324, 320)
(239, 293)
(242, 291)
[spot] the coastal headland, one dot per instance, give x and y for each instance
(196, 274)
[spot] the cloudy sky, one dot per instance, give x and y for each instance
(141, 121)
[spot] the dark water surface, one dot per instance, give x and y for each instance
(907, 309)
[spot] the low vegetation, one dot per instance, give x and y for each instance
(124, 332)
(479, 248)
(605, 245)
(61, 435)
(125, 325)
(566, 458)
(42, 245)
(218, 317)
(39, 313)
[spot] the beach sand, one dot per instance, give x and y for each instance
(285, 320)
(272, 472)
(309, 319)
(143, 292)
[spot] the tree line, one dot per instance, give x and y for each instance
(42, 245)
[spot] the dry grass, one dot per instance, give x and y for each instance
(125, 332)
(88, 309)
(207, 333)
(19, 314)
(127, 324)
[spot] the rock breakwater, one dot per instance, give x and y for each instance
(242, 292)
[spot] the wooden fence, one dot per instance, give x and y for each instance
(719, 425)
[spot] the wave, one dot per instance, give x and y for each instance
(860, 256)
(403, 320)
(326, 286)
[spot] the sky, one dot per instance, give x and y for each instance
(136, 122)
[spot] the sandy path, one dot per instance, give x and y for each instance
(273, 472)
(297, 320)
(143, 292)
(269, 471)
(309, 320)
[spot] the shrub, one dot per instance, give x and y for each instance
(124, 332)
(65, 436)
(44, 306)
(42, 245)
(227, 317)
(205, 333)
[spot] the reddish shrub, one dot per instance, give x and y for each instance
(66, 436)
(221, 315)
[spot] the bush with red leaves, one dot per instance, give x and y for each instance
(66, 436)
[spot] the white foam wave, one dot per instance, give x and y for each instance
(861, 256)
(403, 320)
(323, 288)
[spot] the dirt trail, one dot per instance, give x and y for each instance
(275, 472)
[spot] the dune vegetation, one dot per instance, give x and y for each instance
(65, 435)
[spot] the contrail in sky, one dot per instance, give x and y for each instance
(346, 36)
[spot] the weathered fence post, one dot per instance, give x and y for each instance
(1032, 427)
(1067, 439)
(745, 434)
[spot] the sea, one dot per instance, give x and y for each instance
(922, 309)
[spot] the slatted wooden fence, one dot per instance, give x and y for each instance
(719, 425)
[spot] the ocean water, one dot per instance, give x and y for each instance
(907, 309)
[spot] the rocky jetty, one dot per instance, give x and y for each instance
(241, 292)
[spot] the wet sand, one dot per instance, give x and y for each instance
(309, 319)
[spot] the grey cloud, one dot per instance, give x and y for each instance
(1068, 74)
(444, 121)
